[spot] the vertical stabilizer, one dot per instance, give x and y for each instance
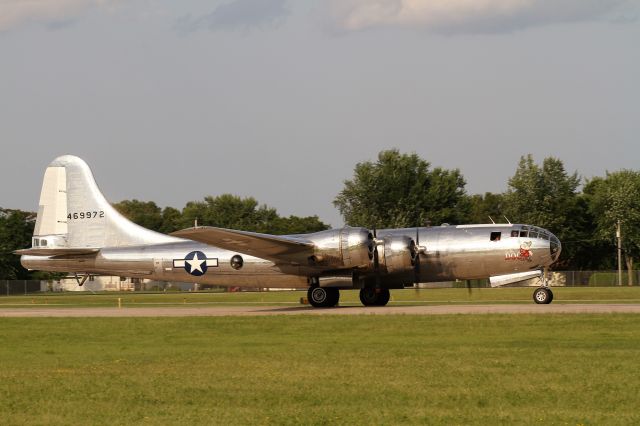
(73, 213)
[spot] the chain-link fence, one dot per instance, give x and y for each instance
(594, 278)
(21, 287)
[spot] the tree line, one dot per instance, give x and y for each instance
(403, 190)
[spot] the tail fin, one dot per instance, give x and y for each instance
(73, 213)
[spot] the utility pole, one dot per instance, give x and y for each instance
(619, 237)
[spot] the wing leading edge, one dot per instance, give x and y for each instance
(277, 248)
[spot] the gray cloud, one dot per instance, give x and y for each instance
(240, 15)
(54, 13)
(469, 16)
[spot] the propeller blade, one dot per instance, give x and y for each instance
(376, 258)
(416, 266)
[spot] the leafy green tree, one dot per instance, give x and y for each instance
(297, 225)
(229, 211)
(547, 196)
(484, 207)
(399, 190)
(615, 198)
(171, 220)
(144, 213)
(16, 229)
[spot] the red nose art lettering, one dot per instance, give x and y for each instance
(523, 254)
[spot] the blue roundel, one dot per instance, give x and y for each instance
(195, 263)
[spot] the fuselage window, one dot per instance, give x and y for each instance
(495, 236)
(43, 243)
(36, 242)
(524, 234)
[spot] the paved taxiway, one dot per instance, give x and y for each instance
(53, 311)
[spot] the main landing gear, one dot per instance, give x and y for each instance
(323, 297)
(371, 296)
(327, 297)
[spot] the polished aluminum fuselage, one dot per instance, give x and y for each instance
(448, 253)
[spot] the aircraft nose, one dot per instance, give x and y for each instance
(555, 248)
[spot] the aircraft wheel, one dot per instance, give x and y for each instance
(542, 296)
(320, 297)
(370, 296)
(334, 297)
(383, 297)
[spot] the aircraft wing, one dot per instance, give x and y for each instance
(278, 248)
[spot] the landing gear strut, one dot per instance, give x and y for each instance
(323, 297)
(543, 295)
(371, 296)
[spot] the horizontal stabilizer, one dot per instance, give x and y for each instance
(501, 280)
(277, 248)
(56, 251)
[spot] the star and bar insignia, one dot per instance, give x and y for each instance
(196, 263)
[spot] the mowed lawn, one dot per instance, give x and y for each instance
(484, 369)
(347, 297)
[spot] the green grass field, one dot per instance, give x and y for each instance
(398, 297)
(484, 369)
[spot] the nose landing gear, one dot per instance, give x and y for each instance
(543, 295)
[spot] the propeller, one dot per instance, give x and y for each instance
(376, 258)
(417, 263)
(416, 260)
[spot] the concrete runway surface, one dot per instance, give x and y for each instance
(179, 311)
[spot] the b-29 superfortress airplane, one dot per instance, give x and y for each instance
(78, 231)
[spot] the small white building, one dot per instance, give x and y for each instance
(94, 283)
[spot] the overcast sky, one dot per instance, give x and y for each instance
(279, 99)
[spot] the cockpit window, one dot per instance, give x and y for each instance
(514, 233)
(495, 236)
(533, 234)
(524, 233)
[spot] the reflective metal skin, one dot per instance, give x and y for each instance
(78, 231)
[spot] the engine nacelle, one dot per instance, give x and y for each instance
(343, 248)
(398, 254)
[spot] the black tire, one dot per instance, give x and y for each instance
(542, 296)
(320, 297)
(383, 297)
(370, 296)
(317, 296)
(334, 297)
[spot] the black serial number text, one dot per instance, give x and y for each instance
(85, 215)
